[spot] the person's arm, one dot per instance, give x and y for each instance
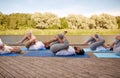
(15, 49)
(60, 40)
(112, 44)
(50, 41)
(55, 38)
(105, 46)
(95, 38)
(27, 37)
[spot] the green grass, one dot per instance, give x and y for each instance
(53, 32)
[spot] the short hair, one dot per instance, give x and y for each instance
(47, 47)
(81, 52)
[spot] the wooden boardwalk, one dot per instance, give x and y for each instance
(50, 67)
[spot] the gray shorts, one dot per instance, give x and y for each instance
(94, 45)
(59, 46)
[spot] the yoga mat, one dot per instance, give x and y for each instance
(9, 54)
(106, 55)
(89, 50)
(25, 49)
(48, 53)
(40, 53)
(75, 56)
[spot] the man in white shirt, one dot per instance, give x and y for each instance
(33, 44)
(63, 48)
(71, 51)
(7, 49)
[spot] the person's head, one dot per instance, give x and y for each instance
(79, 50)
(47, 46)
(16, 49)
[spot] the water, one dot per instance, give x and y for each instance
(74, 39)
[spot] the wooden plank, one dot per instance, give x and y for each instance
(10, 70)
(9, 67)
(5, 74)
(26, 67)
(34, 68)
(60, 67)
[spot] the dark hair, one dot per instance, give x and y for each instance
(47, 47)
(81, 52)
(75, 47)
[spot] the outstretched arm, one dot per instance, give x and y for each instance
(28, 36)
(56, 38)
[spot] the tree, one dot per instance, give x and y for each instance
(105, 21)
(118, 21)
(77, 21)
(3, 21)
(46, 20)
(63, 23)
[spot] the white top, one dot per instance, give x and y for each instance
(69, 51)
(6, 50)
(37, 46)
(101, 48)
(1, 43)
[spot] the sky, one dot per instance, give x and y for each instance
(61, 7)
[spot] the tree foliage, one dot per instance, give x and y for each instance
(52, 21)
(118, 21)
(16, 21)
(104, 21)
(46, 20)
(80, 22)
(63, 23)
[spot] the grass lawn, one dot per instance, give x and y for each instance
(56, 31)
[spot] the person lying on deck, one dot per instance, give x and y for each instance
(96, 43)
(115, 46)
(8, 49)
(33, 44)
(63, 48)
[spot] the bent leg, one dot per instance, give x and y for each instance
(96, 44)
(27, 37)
(90, 40)
(57, 47)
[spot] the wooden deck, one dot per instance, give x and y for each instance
(50, 67)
